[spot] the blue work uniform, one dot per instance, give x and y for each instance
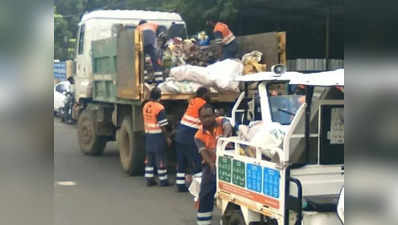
(207, 141)
(187, 153)
(155, 141)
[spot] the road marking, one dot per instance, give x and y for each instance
(66, 183)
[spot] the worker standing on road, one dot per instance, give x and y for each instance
(156, 139)
(150, 32)
(225, 38)
(187, 153)
(206, 141)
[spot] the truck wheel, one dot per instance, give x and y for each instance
(233, 217)
(131, 148)
(90, 143)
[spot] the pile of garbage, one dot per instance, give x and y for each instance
(191, 63)
(189, 51)
(251, 62)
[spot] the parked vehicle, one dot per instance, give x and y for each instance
(60, 90)
(298, 180)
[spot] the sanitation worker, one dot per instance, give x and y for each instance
(206, 141)
(150, 32)
(225, 38)
(187, 153)
(157, 138)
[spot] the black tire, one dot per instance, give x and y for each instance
(131, 148)
(90, 143)
(233, 217)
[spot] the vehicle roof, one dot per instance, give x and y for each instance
(327, 78)
(267, 76)
(131, 15)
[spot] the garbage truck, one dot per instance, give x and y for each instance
(110, 85)
(285, 165)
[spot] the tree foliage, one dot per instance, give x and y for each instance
(67, 14)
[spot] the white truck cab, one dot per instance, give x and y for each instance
(98, 25)
(292, 173)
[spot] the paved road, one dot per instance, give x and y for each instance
(101, 194)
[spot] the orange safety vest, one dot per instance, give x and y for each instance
(227, 34)
(209, 138)
(150, 112)
(191, 116)
(148, 26)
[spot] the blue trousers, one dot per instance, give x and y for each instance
(206, 196)
(156, 160)
(187, 157)
(151, 51)
(230, 51)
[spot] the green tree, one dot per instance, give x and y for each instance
(61, 36)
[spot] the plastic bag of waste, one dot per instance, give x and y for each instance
(171, 86)
(194, 188)
(223, 74)
(268, 137)
(220, 75)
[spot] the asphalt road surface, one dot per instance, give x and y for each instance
(94, 190)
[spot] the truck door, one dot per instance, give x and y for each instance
(129, 55)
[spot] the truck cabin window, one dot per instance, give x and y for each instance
(283, 103)
(177, 30)
(81, 39)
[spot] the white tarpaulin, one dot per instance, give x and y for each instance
(171, 86)
(327, 78)
(220, 75)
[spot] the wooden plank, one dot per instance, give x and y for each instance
(223, 97)
(282, 48)
(267, 43)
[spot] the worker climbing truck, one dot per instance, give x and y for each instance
(110, 83)
(286, 166)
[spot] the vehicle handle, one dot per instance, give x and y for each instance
(300, 200)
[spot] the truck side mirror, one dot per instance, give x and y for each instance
(340, 206)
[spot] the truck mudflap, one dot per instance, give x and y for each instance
(260, 187)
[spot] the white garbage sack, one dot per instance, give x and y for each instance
(196, 74)
(224, 73)
(171, 86)
(268, 136)
(220, 75)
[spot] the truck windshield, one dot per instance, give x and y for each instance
(284, 107)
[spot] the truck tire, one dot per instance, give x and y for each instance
(131, 148)
(90, 143)
(233, 217)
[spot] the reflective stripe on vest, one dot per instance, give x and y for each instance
(191, 116)
(227, 34)
(150, 112)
